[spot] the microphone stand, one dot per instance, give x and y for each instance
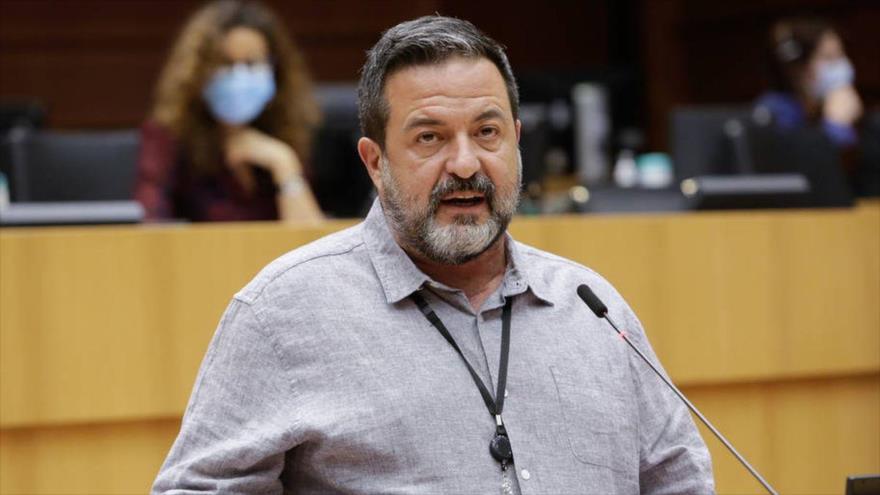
(599, 308)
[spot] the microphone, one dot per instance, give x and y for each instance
(601, 311)
(593, 301)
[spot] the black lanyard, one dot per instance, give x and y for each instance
(500, 444)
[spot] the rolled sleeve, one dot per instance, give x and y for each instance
(236, 429)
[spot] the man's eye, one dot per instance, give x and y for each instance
(488, 132)
(427, 137)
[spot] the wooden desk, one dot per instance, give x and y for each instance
(769, 320)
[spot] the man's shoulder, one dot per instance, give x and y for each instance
(543, 261)
(308, 265)
(560, 277)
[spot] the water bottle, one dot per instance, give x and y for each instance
(4, 192)
(626, 173)
(591, 126)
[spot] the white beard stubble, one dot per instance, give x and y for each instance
(460, 241)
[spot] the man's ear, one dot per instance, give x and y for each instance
(371, 155)
(518, 126)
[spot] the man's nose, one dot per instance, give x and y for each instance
(463, 161)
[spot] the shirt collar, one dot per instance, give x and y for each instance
(400, 277)
(522, 275)
(397, 273)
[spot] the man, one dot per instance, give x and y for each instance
(425, 351)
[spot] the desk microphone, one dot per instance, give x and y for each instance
(601, 311)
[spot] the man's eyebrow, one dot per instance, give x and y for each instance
(492, 113)
(421, 122)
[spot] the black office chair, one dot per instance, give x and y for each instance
(867, 173)
(17, 118)
(339, 179)
(72, 166)
(804, 151)
(21, 114)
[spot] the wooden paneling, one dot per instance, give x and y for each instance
(805, 437)
(95, 62)
(769, 320)
(85, 459)
(760, 295)
(118, 309)
(563, 34)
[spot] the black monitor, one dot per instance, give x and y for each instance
(707, 140)
(51, 166)
(717, 141)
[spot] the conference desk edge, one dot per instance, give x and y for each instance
(615, 245)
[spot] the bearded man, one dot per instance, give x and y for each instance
(424, 350)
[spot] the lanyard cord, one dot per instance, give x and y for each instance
(494, 405)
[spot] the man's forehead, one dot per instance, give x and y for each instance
(465, 80)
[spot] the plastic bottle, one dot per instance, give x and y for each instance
(4, 192)
(591, 126)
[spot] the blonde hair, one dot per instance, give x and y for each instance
(291, 116)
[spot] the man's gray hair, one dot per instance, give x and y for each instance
(427, 40)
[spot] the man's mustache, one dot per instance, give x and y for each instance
(479, 183)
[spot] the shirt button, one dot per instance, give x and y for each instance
(505, 392)
(525, 474)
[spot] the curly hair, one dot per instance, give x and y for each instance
(291, 116)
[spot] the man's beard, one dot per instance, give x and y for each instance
(465, 237)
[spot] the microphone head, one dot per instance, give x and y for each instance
(593, 301)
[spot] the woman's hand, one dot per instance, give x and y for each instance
(842, 106)
(246, 147)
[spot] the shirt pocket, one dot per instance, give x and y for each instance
(592, 415)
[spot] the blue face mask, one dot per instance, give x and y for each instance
(832, 75)
(237, 95)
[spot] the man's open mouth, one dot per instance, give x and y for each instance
(464, 201)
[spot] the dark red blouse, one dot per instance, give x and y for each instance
(169, 188)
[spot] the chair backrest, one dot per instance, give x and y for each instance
(73, 166)
(29, 114)
(867, 173)
(804, 151)
(339, 179)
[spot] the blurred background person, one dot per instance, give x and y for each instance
(229, 133)
(813, 85)
(812, 80)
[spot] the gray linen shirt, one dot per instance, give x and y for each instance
(324, 377)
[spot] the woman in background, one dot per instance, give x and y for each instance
(812, 81)
(232, 122)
